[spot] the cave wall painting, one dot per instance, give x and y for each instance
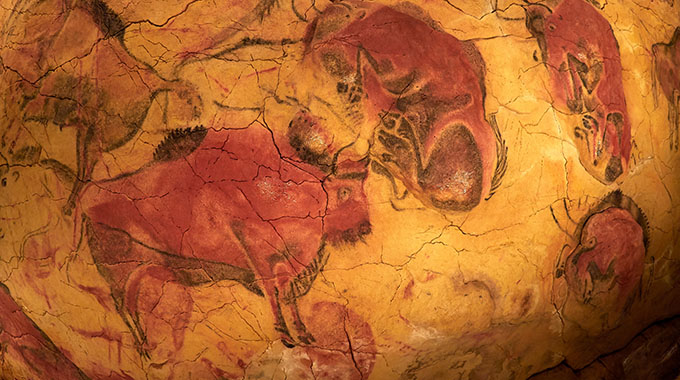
(274, 216)
(417, 93)
(219, 192)
(604, 261)
(79, 85)
(666, 60)
(579, 49)
(22, 342)
(422, 92)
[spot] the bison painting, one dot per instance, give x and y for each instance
(224, 205)
(421, 93)
(579, 49)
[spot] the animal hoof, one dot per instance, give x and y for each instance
(306, 338)
(286, 342)
(67, 209)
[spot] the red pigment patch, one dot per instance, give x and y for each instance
(344, 348)
(408, 291)
(666, 63)
(611, 249)
(24, 341)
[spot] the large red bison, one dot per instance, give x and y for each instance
(224, 205)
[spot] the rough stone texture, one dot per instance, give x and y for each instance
(304, 189)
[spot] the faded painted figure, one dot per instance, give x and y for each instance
(223, 205)
(578, 47)
(419, 94)
(604, 267)
(666, 58)
(75, 72)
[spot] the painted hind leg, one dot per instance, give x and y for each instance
(111, 252)
(142, 288)
(160, 308)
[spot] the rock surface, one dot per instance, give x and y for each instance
(339, 189)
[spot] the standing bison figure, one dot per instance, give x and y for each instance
(223, 205)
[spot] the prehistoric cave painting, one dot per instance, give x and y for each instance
(345, 348)
(603, 265)
(223, 205)
(77, 73)
(666, 58)
(418, 94)
(22, 341)
(578, 47)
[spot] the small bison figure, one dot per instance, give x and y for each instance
(74, 71)
(223, 205)
(604, 262)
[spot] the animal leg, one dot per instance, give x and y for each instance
(118, 260)
(285, 279)
(83, 170)
(109, 251)
(303, 335)
(258, 243)
(160, 308)
(279, 322)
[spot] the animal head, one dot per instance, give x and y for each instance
(185, 104)
(415, 92)
(344, 172)
(578, 47)
(347, 216)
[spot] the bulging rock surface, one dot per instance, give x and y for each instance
(339, 189)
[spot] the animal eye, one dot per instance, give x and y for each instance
(344, 193)
(4, 182)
